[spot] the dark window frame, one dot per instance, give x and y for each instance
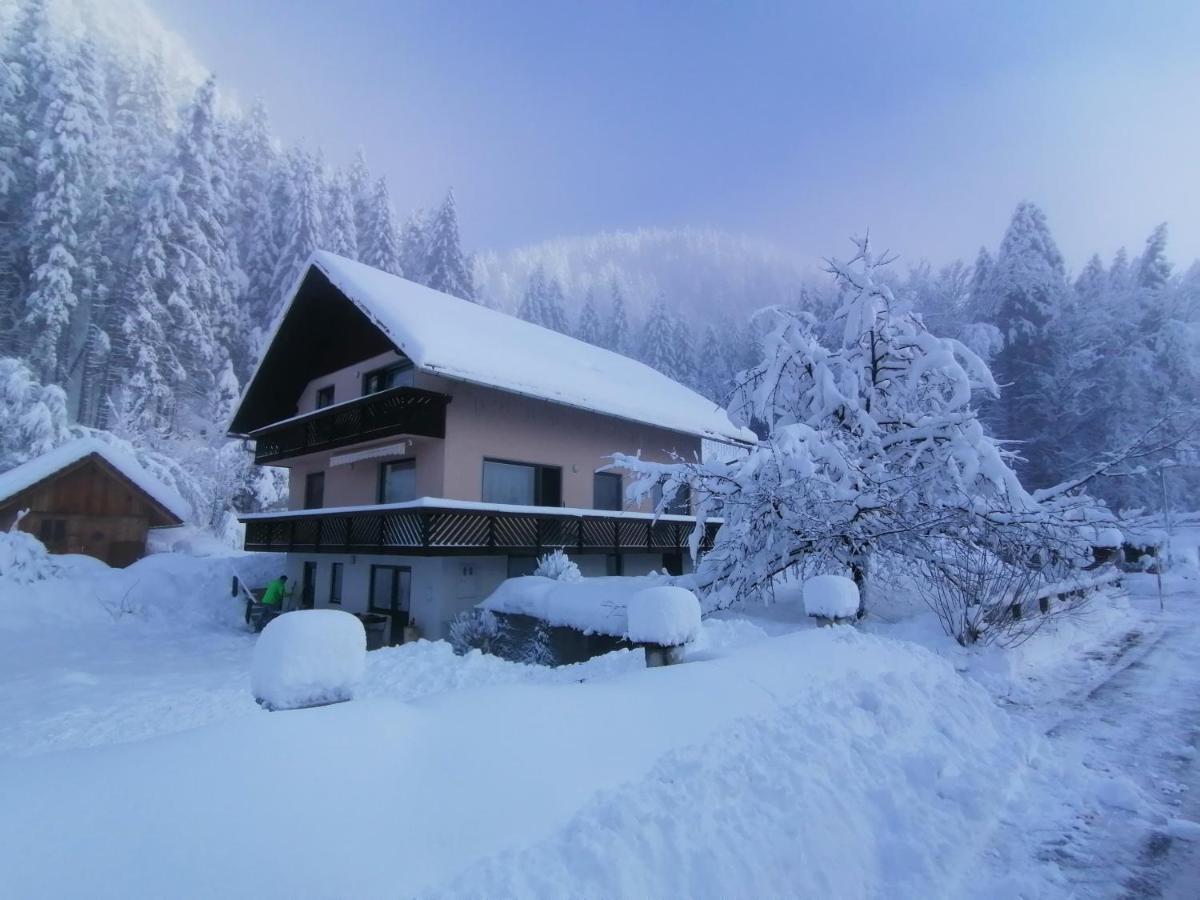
(597, 478)
(390, 368)
(410, 461)
(681, 503)
(539, 479)
(372, 606)
(325, 396)
(308, 585)
(309, 480)
(336, 577)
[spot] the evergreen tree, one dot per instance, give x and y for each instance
(712, 366)
(658, 340)
(683, 366)
(446, 269)
(341, 232)
(1028, 283)
(304, 225)
(616, 336)
(362, 195)
(588, 328)
(413, 251)
(378, 242)
(543, 302)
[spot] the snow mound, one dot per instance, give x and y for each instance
(1109, 538)
(666, 615)
(831, 596)
(23, 559)
(309, 657)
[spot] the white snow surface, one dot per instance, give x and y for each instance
(38, 469)
(308, 657)
(832, 596)
(455, 338)
(591, 605)
(665, 614)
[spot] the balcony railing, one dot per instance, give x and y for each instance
(402, 410)
(434, 531)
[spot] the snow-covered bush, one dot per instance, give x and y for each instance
(666, 615)
(24, 559)
(559, 566)
(477, 629)
(33, 416)
(308, 657)
(830, 597)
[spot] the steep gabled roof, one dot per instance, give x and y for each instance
(464, 341)
(40, 468)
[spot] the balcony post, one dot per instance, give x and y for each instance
(348, 531)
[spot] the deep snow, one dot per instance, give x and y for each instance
(780, 760)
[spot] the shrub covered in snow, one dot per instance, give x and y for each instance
(477, 629)
(307, 658)
(831, 597)
(666, 615)
(24, 559)
(559, 566)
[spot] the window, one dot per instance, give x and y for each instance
(681, 503)
(521, 484)
(52, 530)
(391, 587)
(396, 375)
(607, 491)
(314, 490)
(325, 396)
(614, 564)
(335, 585)
(398, 481)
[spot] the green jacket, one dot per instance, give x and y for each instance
(276, 591)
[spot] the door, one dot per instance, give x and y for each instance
(391, 588)
(308, 586)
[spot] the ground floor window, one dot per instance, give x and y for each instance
(391, 589)
(614, 564)
(521, 565)
(308, 586)
(335, 585)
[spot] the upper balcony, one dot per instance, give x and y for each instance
(397, 411)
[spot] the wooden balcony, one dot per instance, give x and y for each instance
(430, 530)
(397, 411)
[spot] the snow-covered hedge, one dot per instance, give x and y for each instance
(830, 596)
(559, 566)
(307, 658)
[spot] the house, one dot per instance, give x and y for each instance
(437, 447)
(88, 497)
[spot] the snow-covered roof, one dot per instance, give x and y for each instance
(38, 469)
(465, 341)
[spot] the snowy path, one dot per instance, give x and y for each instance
(1118, 769)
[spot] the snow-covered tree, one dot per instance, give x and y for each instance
(587, 328)
(413, 252)
(305, 223)
(378, 242)
(543, 302)
(446, 269)
(616, 334)
(658, 340)
(33, 416)
(872, 445)
(341, 232)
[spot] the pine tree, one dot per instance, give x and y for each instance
(378, 242)
(683, 366)
(1029, 285)
(542, 303)
(304, 224)
(362, 195)
(588, 328)
(616, 336)
(341, 232)
(658, 340)
(712, 364)
(446, 269)
(413, 247)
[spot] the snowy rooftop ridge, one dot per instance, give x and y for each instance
(26, 475)
(455, 338)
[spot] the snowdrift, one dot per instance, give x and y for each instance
(823, 763)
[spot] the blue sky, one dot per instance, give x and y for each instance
(795, 123)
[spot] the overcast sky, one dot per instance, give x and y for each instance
(796, 123)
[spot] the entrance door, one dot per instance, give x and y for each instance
(391, 588)
(308, 586)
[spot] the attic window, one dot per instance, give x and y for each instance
(396, 375)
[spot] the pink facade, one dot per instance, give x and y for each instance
(481, 423)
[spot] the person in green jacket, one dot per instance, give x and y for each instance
(276, 592)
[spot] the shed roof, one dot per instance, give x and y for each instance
(40, 468)
(464, 341)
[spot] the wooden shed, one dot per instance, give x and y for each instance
(87, 497)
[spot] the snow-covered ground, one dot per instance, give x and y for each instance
(779, 760)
